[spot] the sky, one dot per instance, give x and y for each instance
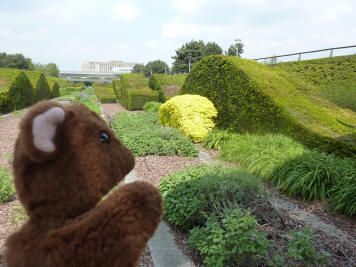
(69, 32)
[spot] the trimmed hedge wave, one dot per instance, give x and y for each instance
(133, 91)
(104, 92)
(334, 77)
(166, 85)
(252, 97)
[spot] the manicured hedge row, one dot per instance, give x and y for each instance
(334, 77)
(133, 91)
(323, 71)
(21, 93)
(166, 85)
(252, 97)
(104, 92)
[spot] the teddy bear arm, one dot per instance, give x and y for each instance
(112, 234)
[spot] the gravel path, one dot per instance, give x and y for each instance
(8, 133)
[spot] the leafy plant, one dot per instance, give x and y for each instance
(301, 248)
(151, 106)
(18, 214)
(191, 195)
(230, 239)
(143, 135)
(8, 157)
(217, 138)
(7, 190)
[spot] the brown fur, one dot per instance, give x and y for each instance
(61, 190)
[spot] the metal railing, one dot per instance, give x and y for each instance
(299, 54)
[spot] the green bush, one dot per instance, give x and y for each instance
(20, 93)
(192, 115)
(133, 91)
(190, 196)
(5, 105)
(42, 90)
(151, 106)
(230, 239)
(166, 85)
(7, 190)
(334, 77)
(105, 93)
(143, 135)
(55, 90)
(252, 97)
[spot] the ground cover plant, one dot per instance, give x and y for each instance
(251, 97)
(7, 189)
(192, 115)
(223, 208)
(143, 135)
(291, 167)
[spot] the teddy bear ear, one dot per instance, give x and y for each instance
(44, 127)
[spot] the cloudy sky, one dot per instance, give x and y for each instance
(69, 32)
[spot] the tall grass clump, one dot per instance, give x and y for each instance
(143, 135)
(217, 138)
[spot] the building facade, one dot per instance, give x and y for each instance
(116, 67)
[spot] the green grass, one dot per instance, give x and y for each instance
(291, 167)
(143, 135)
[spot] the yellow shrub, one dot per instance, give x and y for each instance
(192, 115)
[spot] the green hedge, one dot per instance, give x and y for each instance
(252, 97)
(334, 77)
(104, 92)
(55, 90)
(42, 90)
(133, 91)
(166, 85)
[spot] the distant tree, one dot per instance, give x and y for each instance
(51, 69)
(194, 50)
(40, 67)
(212, 48)
(235, 50)
(138, 68)
(16, 61)
(31, 66)
(156, 66)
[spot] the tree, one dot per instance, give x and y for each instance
(235, 50)
(20, 93)
(51, 69)
(194, 50)
(43, 90)
(31, 66)
(16, 61)
(138, 68)
(212, 48)
(156, 66)
(55, 90)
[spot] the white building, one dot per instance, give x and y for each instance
(108, 67)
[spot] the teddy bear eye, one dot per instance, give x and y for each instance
(104, 138)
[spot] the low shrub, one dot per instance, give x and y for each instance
(151, 106)
(230, 239)
(143, 135)
(190, 196)
(192, 115)
(7, 189)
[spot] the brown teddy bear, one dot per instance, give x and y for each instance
(66, 159)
